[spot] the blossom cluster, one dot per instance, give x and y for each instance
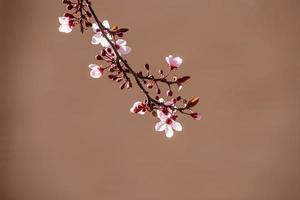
(113, 49)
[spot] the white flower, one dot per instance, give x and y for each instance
(122, 48)
(96, 71)
(139, 107)
(65, 25)
(174, 62)
(167, 123)
(98, 38)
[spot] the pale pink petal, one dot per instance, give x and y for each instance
(160, 126)
(161, 115)
(176, 126)
(64, 29)
(96, 39)
(121, 42)
(95, 73)
(63, 20)
(161, 100)
(169, 131)
(105, 23)
(124, 50)
(95, 27)
(168, 59)
(137, 104)
(178, 61)
(92, 66)
(142, 112)
(132, 109)
(104, 43)
(168, 103)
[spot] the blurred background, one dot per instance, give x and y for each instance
(65, 136)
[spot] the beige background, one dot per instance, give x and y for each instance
(67, 137)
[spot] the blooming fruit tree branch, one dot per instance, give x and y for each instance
(113, 49)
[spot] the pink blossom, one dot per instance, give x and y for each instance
(139, 108)
(174, 62)
(66, 26)
(122, 47)
(96, 71)
(167, 123)
(98, 37)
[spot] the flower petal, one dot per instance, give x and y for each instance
(121, 42)
(96, 39)
(161, 100)
(142, 112)
(92, 66)
(105, 23)
(168, 59)
(169, 131)
(64, 29)
(104, 43)
(124, 50)
(137, 104)
(132, 109)
(176, 126)
(178, 61)
(63, 20)
(95, 73)
(197, 116)
(95, 27)
(160, 126)
(161, 115)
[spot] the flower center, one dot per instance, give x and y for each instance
(168, 121)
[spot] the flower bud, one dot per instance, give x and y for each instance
(158, 91)
(150, 85)
(88, 24)
(114, 28)
(70, 7)
(169, 93)
(88, 14)
(129, 85)
(174, 117)
(109, 50)
(111, 76)
(174, 101)
(120, 34)
(147, 67)
(103, 53)
(98, 57)
(154, 114)
(114, 78)
(196, 116)
(66, 1)
(68, 15)
(194, 101)
(122, 86)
